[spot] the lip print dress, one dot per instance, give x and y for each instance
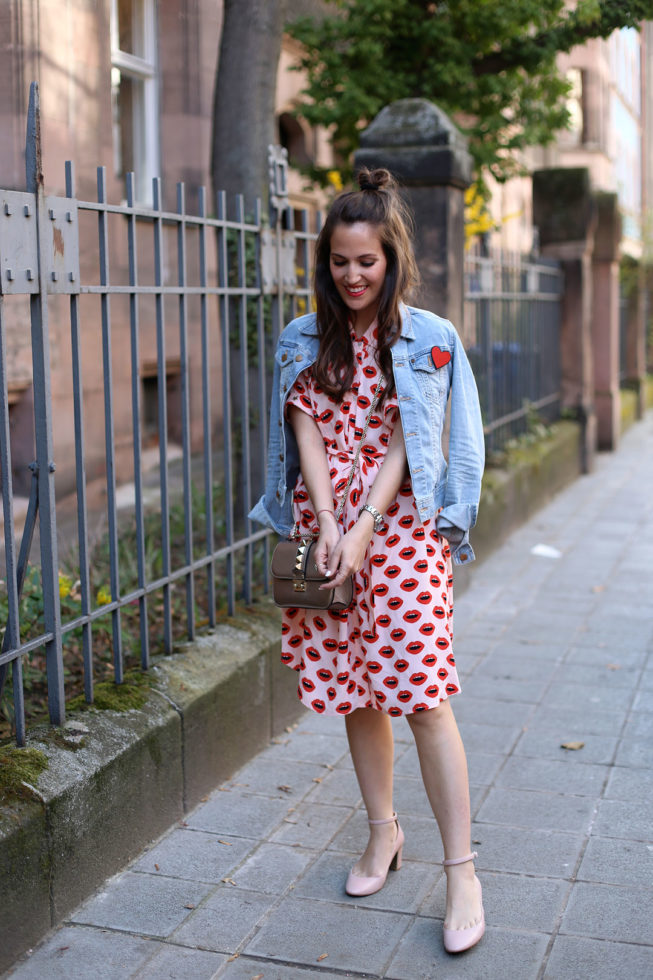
(391, 649)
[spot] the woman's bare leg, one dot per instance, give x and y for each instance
(371, 744)
(444, 771)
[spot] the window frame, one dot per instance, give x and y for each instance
(142, 69)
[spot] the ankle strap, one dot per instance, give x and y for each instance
(392, 819)
(468, 857)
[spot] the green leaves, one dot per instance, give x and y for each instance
(491, 64)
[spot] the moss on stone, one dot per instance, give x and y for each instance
(109, 696)
(19, 769)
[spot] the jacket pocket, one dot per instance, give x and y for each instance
(285, 354)
(433, 381)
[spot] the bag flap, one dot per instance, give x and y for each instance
(283, 562)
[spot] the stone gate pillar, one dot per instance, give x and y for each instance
(605, 320)
(421, 147)
(635, 374)
(564, 211)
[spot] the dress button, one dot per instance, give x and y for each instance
(300, 357)
(284, 357)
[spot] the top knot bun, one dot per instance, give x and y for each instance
(375, 180)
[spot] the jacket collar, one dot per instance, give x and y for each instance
(309, 326)
(407, 328)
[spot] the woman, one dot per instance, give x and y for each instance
(390, 653)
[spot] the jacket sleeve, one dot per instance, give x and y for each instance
(466, 458)
(272, 509)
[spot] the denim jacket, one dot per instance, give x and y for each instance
(422, 393)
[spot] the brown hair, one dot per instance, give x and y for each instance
(377, 203)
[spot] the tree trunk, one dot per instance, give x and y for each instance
(244, 98)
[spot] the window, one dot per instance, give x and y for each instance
(293, 137)
(134, 93)
(575, 107)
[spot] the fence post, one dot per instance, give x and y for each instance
(564, 211)
(420, 145)
(605, 320)
(43, 424)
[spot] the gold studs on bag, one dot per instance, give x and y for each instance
(299, 584)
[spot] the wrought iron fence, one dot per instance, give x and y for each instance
(191, 298)
(512, 325)
(181, 311)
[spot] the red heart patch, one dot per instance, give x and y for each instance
(440, 357)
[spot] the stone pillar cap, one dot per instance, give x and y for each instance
(418, 142)
(412, 122)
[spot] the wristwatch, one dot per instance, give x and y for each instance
(377, 517)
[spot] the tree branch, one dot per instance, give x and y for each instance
(530, 51)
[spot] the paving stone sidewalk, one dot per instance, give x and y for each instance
(553, 648)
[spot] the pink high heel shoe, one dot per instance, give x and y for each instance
(457, 940)
(359, 885)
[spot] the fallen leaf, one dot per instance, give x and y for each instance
(156, 866)
(62, 949)
(477, 842)
(224, 789)
(229, 881)
(182, 823)
(234, 957)
(317, 779)
(572, 746)
(613, 666)
(203, 799)
(225, 842)
(258, 976)
(285, 789)
(189, 905)
(598, 588)
(327, 765)
(287, 820)
(322, 956)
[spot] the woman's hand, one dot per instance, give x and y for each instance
(327, 541)
(347, 556)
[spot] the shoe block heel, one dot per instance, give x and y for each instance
(395, 864)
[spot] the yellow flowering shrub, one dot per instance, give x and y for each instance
(335, 179)
(103, 596)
